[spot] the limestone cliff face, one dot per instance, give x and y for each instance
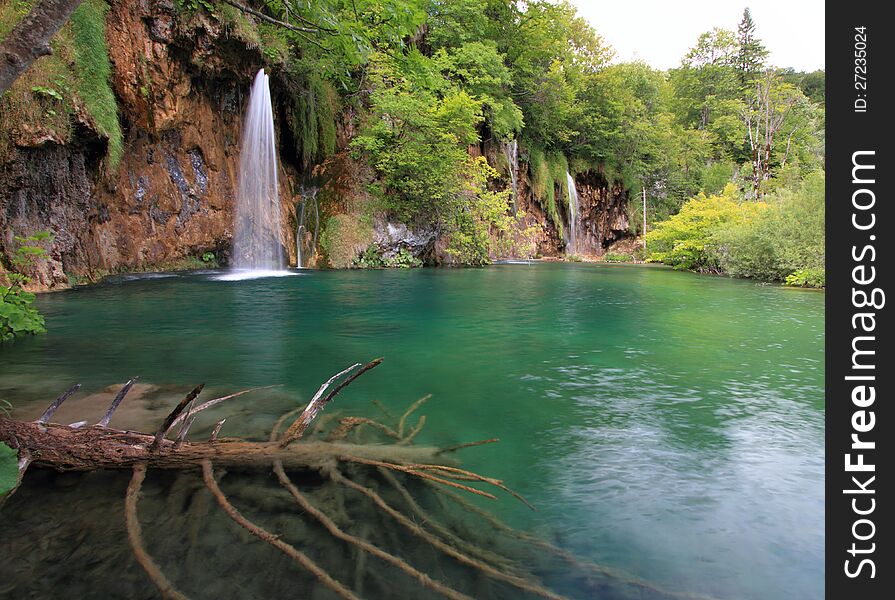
(604, 213)
(181, 89)
(181, 84)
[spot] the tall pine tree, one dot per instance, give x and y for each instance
(751, 54)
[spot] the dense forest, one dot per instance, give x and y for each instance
(411, 112)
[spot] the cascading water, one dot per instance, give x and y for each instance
(511, 150)
(573, 214)
(256, 238)
(308, 195)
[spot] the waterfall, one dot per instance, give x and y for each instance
(256, 237)
(511, 150)
(573, 214)
(308, 194)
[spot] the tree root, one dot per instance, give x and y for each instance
(423, 579)
(495, 560)
(418, 530)
(276, 542)
(85, 448)
(134, 534)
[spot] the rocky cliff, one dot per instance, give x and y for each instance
(180, 84)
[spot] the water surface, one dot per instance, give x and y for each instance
(665, 424)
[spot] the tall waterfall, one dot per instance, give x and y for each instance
(256, 237)
(511, 150)
(573, 214)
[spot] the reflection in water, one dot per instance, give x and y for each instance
(665, 424)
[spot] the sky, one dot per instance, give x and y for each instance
(660, 32)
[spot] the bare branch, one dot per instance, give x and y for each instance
(216, 430)
(297, 429)
(276, 22)
(44, 418)
(365, 546)
(409, 411)
(172, 416)
(104, 422)
(216, 401)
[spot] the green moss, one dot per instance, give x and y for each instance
(548, 170)
(344, 237)
(238, 26)
(313, 118)
(94, 71)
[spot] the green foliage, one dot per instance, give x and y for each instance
(814, 277)
(94, 73)
(209, 258)
(49, 92)
(372, 258)
(618, 257)
(481, 214)
(687, 239)
(9, 470)
(787, 239)
(751, 52)
(416, 138)
(781, 239)
(194, 5)
(17, 315)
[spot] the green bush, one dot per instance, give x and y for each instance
(787, 239)
(811, 277)
(687, 240)
(17, 314)
(781, 239)
(617, 257)
(343, 238)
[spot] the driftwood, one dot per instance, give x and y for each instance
(342, 464)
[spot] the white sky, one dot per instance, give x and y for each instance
(660, 32)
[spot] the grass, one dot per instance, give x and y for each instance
(94, 73)
(43, 99)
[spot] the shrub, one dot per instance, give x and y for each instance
(808, 278)
(17, 314)
(687, 240)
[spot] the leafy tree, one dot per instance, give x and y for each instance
(751, 53)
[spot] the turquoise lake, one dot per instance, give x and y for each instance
(665, 424)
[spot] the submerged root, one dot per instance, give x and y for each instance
(135, 536)
(418, 530)
(273, 540)
(99, 447)
(423, 579)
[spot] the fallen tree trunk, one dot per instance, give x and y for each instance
(365, 469)
(91, 448)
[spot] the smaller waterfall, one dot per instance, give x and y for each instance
(308, 196)
(511, 150)
(573, 214)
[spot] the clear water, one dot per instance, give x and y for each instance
(666, 424)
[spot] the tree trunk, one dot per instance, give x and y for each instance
(30, 39)
(91, 448)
